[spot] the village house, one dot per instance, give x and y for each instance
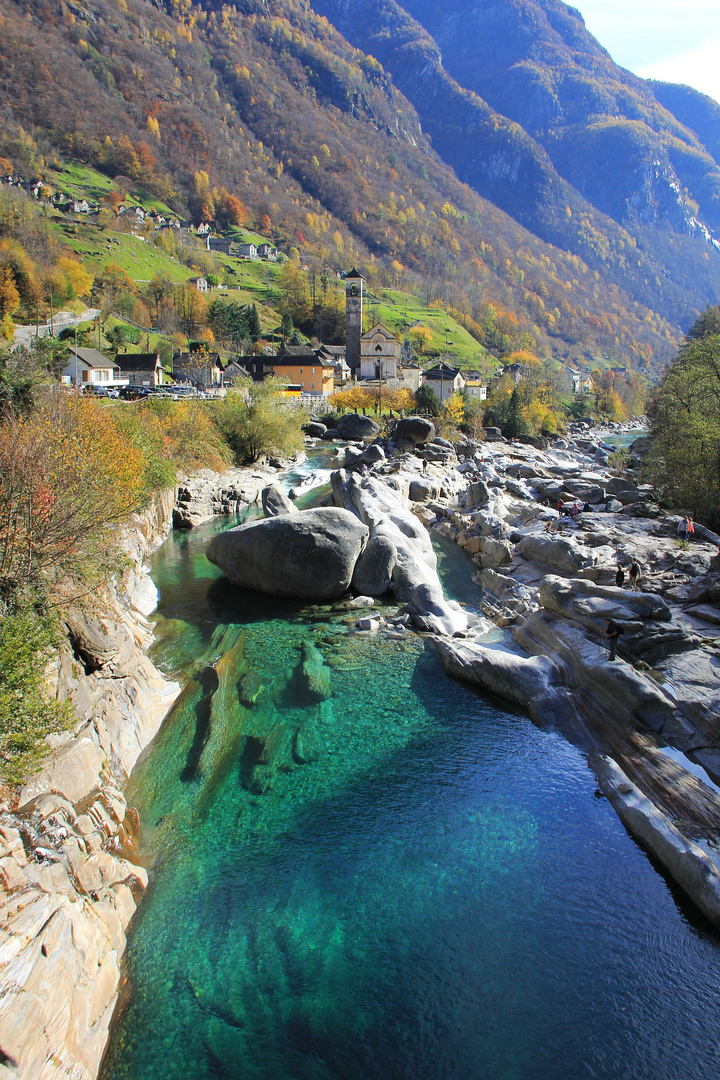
(411, 374)
(247, 251)
(336, 354)
(88, 367)
(268, 252)
(379, 354)
(581, 381)
(200, 368)
(301, 365)
(444, 380)
(222, 244)
(200, 283)
(142, 369)
(475, 385)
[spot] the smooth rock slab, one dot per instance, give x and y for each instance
(310, 555)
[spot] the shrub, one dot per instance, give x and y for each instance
(27, 712)
(254, 420)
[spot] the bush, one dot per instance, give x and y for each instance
(254, 420)
(27, 712)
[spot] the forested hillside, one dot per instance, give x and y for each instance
(265, 114)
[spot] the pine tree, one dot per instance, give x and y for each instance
(254, 329)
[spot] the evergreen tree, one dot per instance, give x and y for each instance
(427, 400)
(705, 324)
(254, 330)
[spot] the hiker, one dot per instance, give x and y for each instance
(586, 508)
(613, 631)
(620, 577)
(634, 574)
(683, 529)
(690, 528)
(424, 469)
(574, 510)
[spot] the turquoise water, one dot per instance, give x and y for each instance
(362, 869)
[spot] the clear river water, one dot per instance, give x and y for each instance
(406, 880)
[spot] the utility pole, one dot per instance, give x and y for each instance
(76, 361)
(51, 316)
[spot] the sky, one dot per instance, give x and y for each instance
(672, 40)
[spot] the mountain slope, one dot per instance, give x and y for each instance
(530, 110)
(328, 156)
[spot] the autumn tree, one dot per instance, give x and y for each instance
(254, 419)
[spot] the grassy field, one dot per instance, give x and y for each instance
(140, 259)
(81, 181)
(401, 311)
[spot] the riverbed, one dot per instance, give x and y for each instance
(405, 880)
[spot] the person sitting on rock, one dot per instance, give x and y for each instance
(634, 574)
(620, 577)
(612, 633)
(586, 508)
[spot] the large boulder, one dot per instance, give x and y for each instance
(422, 490)
(373, 454)
(477, 494)
(416, 429)
(374, 569)
(355, 426)
(314, 429)
(275, 502)
(310, 555)
(562, 554)
(585, 491)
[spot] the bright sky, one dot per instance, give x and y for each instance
(672, 40)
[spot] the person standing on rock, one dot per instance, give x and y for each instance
(634, 574)
(620, 577)
(690, 528)
(683, 529)
(612, 635)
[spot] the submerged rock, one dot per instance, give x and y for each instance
(310, 555)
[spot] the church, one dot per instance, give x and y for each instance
(379, 354)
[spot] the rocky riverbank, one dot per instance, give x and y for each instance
(68, 882)
(650, 720)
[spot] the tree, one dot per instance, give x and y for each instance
(420, 336)
(683, 461)
(254, 419)
(253, 324)
(706, 324)
(427, 400)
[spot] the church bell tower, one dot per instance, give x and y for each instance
(353, 318)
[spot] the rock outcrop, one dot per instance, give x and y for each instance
(68, 883)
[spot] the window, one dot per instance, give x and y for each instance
(313, 371)
(312, 386)
(301, 371)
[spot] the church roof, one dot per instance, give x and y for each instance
(378, 328)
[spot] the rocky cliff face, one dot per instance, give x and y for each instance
(68, 883)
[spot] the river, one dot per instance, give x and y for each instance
(405, 881)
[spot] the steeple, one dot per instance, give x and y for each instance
(353, 318)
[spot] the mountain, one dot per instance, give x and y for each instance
(532, 112)
(489, 154)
